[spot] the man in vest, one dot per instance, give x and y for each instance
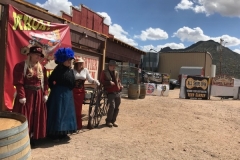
(111, 82)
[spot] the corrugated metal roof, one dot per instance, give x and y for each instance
(184, 52)
(187, 52)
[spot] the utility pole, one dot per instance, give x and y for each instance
(221, 51)
(220, 60)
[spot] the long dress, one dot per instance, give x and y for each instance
(79, 93)
(61, 118)
(33, 89)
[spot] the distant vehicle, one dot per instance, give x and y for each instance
(159, 78)
(152, 77)
(173, 83)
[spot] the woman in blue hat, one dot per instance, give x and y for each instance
(61, 119)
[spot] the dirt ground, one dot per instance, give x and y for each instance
(157, 128)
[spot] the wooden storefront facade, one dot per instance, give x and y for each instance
(89, 39)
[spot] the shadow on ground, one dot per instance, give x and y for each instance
(47, 142)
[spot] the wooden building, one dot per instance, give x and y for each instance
(171, 62)
(90, 37)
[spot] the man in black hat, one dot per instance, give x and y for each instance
(111, 82)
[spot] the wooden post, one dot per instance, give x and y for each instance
(104, 54)
(3, 46)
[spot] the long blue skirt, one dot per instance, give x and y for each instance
(61, 117)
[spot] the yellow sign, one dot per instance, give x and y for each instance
(191, 83)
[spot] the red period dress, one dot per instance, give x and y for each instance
(35, 108)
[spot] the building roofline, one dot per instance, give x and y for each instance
(56, 16)
(121, 42)
(67, 21)
(187, 52)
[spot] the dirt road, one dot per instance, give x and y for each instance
(157, 128)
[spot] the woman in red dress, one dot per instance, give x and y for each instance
(30, 80)
(81, 75)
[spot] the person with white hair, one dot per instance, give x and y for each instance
(30, 80)
(81, 74)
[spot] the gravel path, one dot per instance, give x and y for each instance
(157, 128)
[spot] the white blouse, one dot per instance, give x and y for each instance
(84, 75)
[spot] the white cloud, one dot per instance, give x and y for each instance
(107, 18)
(117, 30)
(152, 34)
(228, 40)
(159, 47)
(196, 34)
(148, 47)
(172, 45)
(184, 5)
(120, 34)
(237, 51)
(54, 6)
(189, 34)
(224, 7)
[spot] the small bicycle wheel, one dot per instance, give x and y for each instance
(105, 108)
(105, 103)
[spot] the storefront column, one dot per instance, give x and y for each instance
(3, 46)
(104, 54)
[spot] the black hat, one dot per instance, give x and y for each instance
(112, 63)
(36, 49)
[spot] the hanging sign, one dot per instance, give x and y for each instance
(223, 80)
(24, 31)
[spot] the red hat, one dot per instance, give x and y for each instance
(36, 49)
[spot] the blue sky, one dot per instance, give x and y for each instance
(155, 24)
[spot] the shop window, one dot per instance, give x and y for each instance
(131, 64)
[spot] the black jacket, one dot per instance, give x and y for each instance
(61, 76)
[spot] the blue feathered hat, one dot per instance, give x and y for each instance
(63, 54)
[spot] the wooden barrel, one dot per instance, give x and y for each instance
(133, 91)
(14, 136)
(142, 91)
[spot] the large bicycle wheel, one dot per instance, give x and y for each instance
(91, 111)
(95, 114)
